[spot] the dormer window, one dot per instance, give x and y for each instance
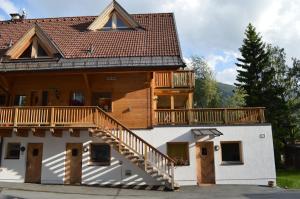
(115, 22)
(35, 50)
(114, 17)
(35, 44)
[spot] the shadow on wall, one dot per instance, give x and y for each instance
(120, 171)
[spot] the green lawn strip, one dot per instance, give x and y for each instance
(288, 179)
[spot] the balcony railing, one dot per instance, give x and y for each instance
(209, 116)
(177, 79)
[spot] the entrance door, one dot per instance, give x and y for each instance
(34, 163)
(73, 163)
(205, 163)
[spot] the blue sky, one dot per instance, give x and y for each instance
(209, 28)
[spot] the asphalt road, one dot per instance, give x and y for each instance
(190, 192)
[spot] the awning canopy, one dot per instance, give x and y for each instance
(203, 132)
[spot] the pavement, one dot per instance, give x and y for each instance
(36, 191)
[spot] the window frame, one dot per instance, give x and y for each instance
(19, 97)
(92, 163)
(6, 151)
(73, 93)
(96, 94)
(187, 153)
(241, 162)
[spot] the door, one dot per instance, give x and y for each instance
(73, 163)
(34, 163)
(205, 163)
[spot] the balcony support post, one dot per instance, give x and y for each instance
(172, 110)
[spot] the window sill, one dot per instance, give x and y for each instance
(231, 163)
(98, 164)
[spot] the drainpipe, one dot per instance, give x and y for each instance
(1, 150)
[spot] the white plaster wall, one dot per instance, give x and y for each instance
(258, 155)
(53, 163)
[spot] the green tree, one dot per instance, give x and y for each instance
(237, 99)
(253, 73)
(206, 91)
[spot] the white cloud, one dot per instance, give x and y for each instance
(8, 6)
(227, 76)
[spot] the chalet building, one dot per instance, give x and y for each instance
(105, 100)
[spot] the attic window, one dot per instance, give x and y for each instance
(35, 50)
(115, 22)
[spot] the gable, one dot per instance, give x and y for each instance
(113, 17)
(33, 44)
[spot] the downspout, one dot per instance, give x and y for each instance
(1, 150)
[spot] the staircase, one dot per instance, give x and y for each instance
(101, 125)
(135, 149)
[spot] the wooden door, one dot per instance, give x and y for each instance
(205, 163)
(73, 164)
(34, 163)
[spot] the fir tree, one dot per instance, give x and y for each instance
(254, 74)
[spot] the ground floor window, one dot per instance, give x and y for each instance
(100, 154)
(231, 152)
(179, 152)
(13, 151)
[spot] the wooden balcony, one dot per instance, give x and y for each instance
(219, 116)
(177, 79)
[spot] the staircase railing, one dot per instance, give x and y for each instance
(89, 117)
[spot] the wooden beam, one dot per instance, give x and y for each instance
(57, 132)
(38, 132)
(5, 132)
(22, 132)
(74, 132)
(35, 48)
(88, 89)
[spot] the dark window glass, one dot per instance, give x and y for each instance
(120, 23)
(41, 52)
(20, 100)
(74, 152)
(108, 24)
(45, 98)
(77, 99)
(103, 100)
(13, 151)
(179, 152)
(35, 152)
(100, 154)
(231, 152)
(2, 100)
(27, 53)
(204, 151)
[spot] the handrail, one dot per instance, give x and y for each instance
(244, 115)
(174, 79)
(90, 117)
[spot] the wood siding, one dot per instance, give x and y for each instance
(130, 92)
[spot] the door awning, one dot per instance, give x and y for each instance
(203, 132)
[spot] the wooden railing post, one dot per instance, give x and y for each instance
(145, 156)
(52, 124)
(172, 176)
(16, 117)
(172, 79)
(225, 116)
(120, 139)
(262, 115)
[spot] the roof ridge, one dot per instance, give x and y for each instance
(84, 16)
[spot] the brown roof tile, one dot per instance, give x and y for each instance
(157, 38)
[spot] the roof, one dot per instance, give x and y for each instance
(156, 38)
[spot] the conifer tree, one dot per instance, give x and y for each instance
(254, 73)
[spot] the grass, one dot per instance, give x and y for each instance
(289, 179)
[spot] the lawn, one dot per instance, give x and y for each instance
(288, 179)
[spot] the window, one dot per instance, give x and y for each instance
(77, 99)
(20, 100)
(2, 100)
(115, 19)
(231, 153)
(103, 100)
(179, 152)
(13, 151)
(100, 154)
